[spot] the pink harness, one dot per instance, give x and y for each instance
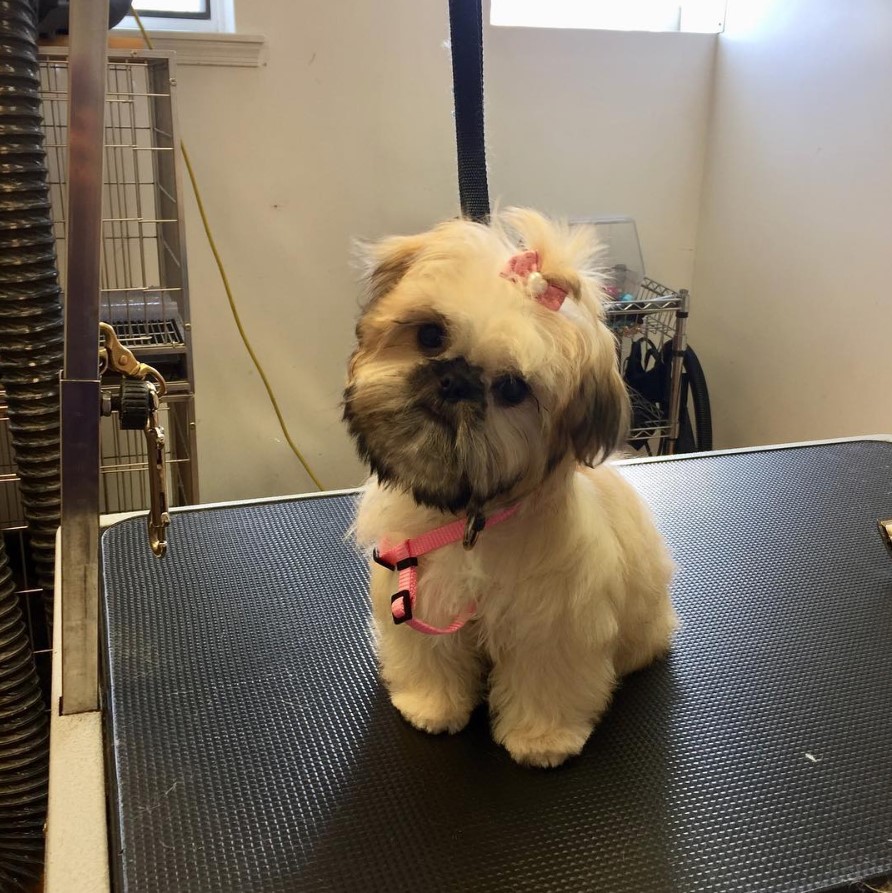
(403, 558)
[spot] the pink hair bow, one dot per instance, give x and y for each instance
(523, 269)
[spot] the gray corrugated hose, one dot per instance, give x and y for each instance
(24, 745)
(31, 325)
(31, 344)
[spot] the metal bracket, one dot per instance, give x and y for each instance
(79, 545)
(81, 397)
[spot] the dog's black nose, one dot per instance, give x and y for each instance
(457, 380)
(454, 387)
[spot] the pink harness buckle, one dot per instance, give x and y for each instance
(403, 558)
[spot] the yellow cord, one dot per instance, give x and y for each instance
(226, 287)
(142, 30)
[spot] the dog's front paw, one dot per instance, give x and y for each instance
(431, 713)
(544, 749)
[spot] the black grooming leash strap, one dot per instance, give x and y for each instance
(466, 27)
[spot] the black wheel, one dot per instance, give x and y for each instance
(694, 413)
(699, 400)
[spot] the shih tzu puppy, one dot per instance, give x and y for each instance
(510, 562)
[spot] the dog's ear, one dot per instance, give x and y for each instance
(385, 263)
(596, 421)
(568, 255)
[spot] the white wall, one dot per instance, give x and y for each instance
(793, 313)
(348, 132)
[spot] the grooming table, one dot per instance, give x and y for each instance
(251, 748)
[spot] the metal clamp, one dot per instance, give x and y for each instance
(118, 358)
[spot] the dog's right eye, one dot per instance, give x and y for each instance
(510, 390)
(431, 336)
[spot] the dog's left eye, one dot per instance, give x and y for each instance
(431, 336)
(510, 390)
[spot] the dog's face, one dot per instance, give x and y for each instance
(465, 389)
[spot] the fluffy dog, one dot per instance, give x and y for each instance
(484, 385)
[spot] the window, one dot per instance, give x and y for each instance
(612, 15)
(183, 15)
(181, 9)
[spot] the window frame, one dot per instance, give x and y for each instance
(219, 20)
(172, 14)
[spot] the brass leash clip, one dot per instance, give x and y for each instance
(138, 404)
(158, 519)
(120, 359)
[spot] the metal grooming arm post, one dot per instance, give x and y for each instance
(80, 390)
(679, 345)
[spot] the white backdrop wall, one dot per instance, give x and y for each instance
(793, 313)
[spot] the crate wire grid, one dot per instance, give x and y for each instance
(124, 482)
(134, 296)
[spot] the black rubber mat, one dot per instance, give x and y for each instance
(251, 747)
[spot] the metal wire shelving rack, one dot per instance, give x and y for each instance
(657, 314)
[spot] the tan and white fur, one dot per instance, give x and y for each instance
(572, 590)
